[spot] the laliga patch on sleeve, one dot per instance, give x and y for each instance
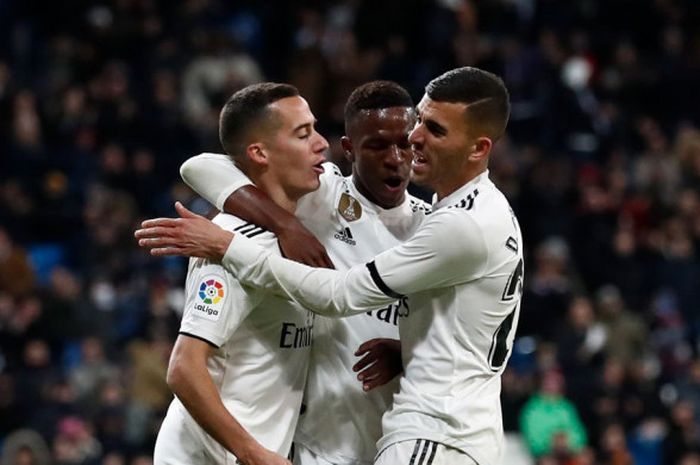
(210, 299)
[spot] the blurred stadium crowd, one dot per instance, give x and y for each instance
(101, 101)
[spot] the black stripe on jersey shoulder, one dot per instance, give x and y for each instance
(256, 232)
(467, 202)
(426, 445)
(184, 333)
(250, 229)
(432, 453)
(415, 452)
(374, 274)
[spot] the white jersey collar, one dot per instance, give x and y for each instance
(460, 193)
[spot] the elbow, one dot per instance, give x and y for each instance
(190, 169)
(187, 169)
(176, 376)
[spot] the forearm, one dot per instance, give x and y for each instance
(253, 205)
(192, 384)
(326, 292)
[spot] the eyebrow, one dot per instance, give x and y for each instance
(305, 125)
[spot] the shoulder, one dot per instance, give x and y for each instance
(487, 207)
(331, 174)
(238, 225)
(331, 169)
(455, 232)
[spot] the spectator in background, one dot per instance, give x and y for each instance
(548, 290)
(92, 372)
(580, 341)
(683, 435)
(549, 421)
(16, 274)
(626, 333)
(75, 443)
(25, 447)
(614, 446)
(214, 75)
(689, 387)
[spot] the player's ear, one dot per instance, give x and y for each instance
(481, 149)
(256, 154)
(346, 143)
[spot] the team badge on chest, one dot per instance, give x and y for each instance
(349, 208)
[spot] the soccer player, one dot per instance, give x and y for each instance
(461, 274)
(355, 218)
(239, 364)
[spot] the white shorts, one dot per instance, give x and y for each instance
(422, 452)
(177, 444)
(304, 456)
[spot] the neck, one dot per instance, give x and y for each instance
(449, 187)
(277, 193)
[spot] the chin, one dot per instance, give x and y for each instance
(314, 185)
(392, 200)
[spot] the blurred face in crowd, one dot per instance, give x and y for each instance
(293, 152)
(377, 145)
(446, 146)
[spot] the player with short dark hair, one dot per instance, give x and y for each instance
(239, 364)
(243, 112)
(461, 275)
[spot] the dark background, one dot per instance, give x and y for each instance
(100, 102)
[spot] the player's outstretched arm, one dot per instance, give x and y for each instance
(189, 379)
(446, 250)
(218, 180)
(193, 235)
(380, 364)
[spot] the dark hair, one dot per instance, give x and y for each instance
(245, 108)
(375, 95)
(487, 99)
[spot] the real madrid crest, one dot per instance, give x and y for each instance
(349, 208)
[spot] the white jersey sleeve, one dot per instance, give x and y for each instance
(216, 304)
(213, 176)
(447, 249)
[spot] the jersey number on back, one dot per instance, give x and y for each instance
(498, 353)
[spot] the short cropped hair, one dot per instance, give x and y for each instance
(376, 95)
(245, 108)
(486, 97)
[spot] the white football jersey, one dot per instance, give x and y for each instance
(260, 365)
(341, 423)
(461, 274)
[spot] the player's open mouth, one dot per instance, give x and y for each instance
(419, 161)
(393, 183)
(318, 168)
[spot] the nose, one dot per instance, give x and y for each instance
(320, 144)
(395, 156)
(416, 135)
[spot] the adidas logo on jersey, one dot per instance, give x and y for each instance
(345, 235)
